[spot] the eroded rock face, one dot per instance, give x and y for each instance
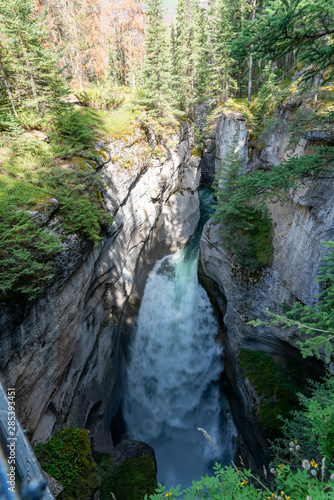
(231, 130)
(301, 224)
(61, 352)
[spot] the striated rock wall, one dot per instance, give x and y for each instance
(61, 352)
(301, 224)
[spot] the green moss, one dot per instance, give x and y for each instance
(196, 152)
(275, 387)
(66, 457)
(134, 478)
(103, 154)
(82, 163)
(105, 463)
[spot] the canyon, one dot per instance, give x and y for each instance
(64, 352)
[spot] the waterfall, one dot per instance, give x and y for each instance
(173, 374)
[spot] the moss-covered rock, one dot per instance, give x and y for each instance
(105, 463)
(134, 477)
(276, 389)
(67, 458)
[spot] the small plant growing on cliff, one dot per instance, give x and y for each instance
(25, 253)
(246, 229)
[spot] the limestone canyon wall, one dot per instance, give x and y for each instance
(61, 352)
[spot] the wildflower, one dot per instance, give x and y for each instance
(280, 466)
(287, 497)
(308, 497)
(314, 464)
(168, 494)
(296, 441)
(313, 472)
(298, 448)
(332, 477)
(306, 464)
(272, 470)
(244, 482)
(291, 444)
(291, 449)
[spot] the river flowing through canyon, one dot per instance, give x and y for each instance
(174, 371)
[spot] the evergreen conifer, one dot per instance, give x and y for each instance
(157, 84)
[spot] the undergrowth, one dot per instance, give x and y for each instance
(32, 173)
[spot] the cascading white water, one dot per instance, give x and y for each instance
(173, 374)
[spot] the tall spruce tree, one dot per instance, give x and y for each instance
(219, 36)
(32, 78)
(187, 49)
(203, 69)
(157, 85)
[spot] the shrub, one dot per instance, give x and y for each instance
(100, 97)
(72, 132)
(230, 483)
(25, 253)
(78, 193)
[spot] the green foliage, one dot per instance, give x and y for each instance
(26, 250)
(157, 89)
(29, 78)
(134, 478)
(187, 51)
(105, 463)
(276, 389)
(295, 25)
(246, 229)
(25, 253)
(71, 131)
(100, 96)
(230, 483)
(78, 193)
(220, 64)
(311, 428)
(66, 457)
(265, 100)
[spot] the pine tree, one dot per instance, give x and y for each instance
(6, 87)
(187, 51)
(34, 79)
(157, 65)
(203, 69)
(219, 35)
(246, 229)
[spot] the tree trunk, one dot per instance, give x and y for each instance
(250, 69)
(9, 93)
